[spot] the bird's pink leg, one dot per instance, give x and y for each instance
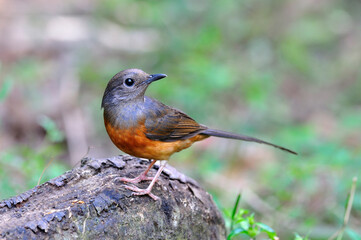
(147, 191)
(141, 177)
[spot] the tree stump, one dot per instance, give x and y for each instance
(90, 203)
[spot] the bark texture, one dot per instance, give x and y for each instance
(90, 203)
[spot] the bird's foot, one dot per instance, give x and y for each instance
(139, 191)
(138, 179)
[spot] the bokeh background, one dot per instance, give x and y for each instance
(286, 71)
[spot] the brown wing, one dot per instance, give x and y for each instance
(168, 124)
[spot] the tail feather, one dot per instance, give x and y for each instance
(223, 134)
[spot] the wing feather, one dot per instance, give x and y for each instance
(168, 124)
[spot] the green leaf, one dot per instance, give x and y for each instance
(265, 228)
(250, 219)
(236, 232)
(235, 210)
(352, 234)
(245, 225)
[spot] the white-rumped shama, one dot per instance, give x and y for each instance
(144, 127)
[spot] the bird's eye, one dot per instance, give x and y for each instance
(129, 82)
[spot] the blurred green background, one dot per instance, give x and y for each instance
(288, 72)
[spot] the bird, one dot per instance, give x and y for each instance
(144, 127)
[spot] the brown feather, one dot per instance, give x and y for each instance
(172, 125)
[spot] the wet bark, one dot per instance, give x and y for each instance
(90, 203)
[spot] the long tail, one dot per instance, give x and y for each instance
(223, 134)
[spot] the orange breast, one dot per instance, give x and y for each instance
(134, 142)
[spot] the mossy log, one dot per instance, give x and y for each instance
(90, 203)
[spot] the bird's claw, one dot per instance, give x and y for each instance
(138, 191)
(134, 180)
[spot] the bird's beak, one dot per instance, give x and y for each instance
(155, 77)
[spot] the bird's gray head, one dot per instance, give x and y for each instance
(128, 85)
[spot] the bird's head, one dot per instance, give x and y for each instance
(128, 85)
